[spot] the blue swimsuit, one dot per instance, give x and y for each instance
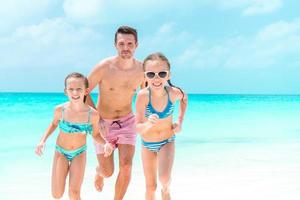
(156, 146)
(165, 113)
(74, 128)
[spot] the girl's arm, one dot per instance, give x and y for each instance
(51, 128)
(182, 108)
(182, 97)
(142, 123)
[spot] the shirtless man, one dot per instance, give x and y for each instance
(117, 78)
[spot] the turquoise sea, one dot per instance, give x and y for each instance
(215, 127)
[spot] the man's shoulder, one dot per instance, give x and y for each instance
(138, 63)
(104, 64)
(107, 61)
(110, 59)
(137, 66)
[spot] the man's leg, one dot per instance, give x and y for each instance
(104, 169)
(126, 153)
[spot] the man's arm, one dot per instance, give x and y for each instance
(95, 78)
(89, 101)
(143, 84)
(143, 80)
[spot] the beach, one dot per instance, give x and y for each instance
(231, 147)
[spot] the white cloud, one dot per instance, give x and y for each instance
(52, 31)
(52, 43)
(85, 11)
(95, 12)
(168, 38)
(14, 13)
(250, 7)
(262, 6)
(165, 29)
(279, 30)
(276, 44)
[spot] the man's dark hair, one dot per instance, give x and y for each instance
(126, 30)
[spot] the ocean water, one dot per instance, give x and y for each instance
(215, 126)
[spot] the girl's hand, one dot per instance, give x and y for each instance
(40, 148)
(108, 149)
(176, 127)
(153, 119)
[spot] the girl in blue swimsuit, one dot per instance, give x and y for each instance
(75, 120)
(154, 123)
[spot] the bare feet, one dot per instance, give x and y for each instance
(99, 181)
(165, 195)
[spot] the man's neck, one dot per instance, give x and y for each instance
(124, 64)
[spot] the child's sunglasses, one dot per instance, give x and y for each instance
(161, 74)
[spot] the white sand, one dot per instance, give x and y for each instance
(230, 172)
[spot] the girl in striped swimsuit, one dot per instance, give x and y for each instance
(154, 123)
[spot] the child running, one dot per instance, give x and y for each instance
(154, 123)
(75, 120)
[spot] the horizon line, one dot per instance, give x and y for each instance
(269, 94)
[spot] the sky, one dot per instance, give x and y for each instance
(214, 46)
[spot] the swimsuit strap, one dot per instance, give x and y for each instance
(62, 112)
(167, 93)
(149, 95)
(89, 114)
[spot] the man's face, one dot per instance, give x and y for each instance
(125, 45)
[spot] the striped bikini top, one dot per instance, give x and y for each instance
(165, 113)
(71, 127)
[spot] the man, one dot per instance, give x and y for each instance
(118, 78)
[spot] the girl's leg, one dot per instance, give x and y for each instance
(149, 160)
(60, 170)
(165, 163)
(76, 175)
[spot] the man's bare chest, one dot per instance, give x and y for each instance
(116, 82)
